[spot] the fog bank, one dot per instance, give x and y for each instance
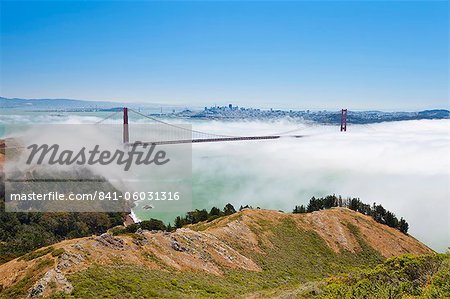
(405, 166)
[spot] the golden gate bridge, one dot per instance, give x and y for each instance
(195, 136)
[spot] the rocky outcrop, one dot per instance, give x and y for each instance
(109, 241)
(68, 259)
(55, 277)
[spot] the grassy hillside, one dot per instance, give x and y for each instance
(253, 253)
(294, 257)
(424, 276)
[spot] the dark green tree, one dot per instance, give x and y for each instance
(215, 212)
(403, 226)
(179, 222)
(152, 224)
(229, 209)
(391, 220)
(299, 209)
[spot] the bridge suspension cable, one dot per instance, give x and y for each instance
(183, 128)
(108, 117)
(294, 130)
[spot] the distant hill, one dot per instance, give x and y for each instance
(69, 104)
(365, 117)
(437, 113)
(40, 104)
(252, 253)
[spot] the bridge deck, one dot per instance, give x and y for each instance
(221, 139)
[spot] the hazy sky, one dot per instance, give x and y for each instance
(360, 55)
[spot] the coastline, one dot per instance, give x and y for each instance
(134, 217)
(130, 219)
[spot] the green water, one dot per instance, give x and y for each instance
(218, 190)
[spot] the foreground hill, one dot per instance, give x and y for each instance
(249, 253)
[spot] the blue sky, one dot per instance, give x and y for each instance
(322, 55)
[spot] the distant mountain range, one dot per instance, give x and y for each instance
(70, 105)
(39, 104)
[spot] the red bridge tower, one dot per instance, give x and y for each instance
(344, 120)
(126, 135)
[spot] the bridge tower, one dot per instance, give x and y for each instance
(344, 120)
(126, 136)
